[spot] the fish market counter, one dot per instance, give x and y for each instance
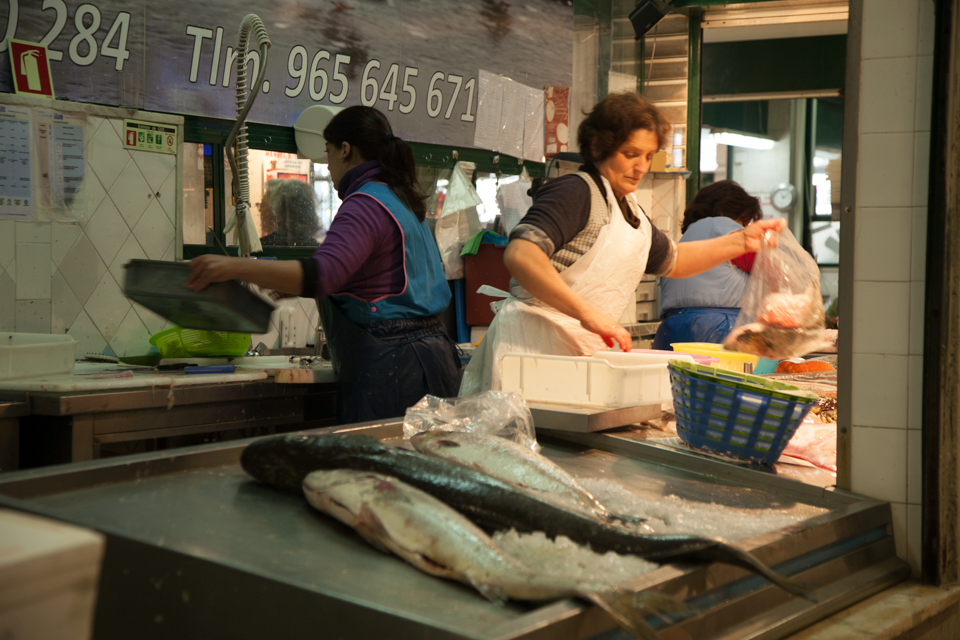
(70, 422)
(196, 548)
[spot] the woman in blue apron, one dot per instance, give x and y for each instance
(704, 307)
(377, 277)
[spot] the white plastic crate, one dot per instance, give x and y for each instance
(28, 355)
(605, 382)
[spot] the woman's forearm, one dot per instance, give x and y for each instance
(285, 276)
(534, 272)
(701, 255)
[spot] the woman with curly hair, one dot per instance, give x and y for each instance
(579, 253)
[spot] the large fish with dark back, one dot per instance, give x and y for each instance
(284, 462)
(432, 536)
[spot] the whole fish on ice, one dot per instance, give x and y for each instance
(396, 517)
(284, 461)
(511, 462)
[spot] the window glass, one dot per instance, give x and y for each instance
(197, 193)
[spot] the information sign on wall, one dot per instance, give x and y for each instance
(149, 136)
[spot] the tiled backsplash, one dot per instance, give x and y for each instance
(67, 277)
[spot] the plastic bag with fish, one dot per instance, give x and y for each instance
(495, 413)
(782, 311)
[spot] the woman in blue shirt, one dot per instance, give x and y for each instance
(704, 308)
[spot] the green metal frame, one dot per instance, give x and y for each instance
(694, 108)
(281, 139)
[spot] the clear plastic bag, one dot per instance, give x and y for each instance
(782, 312)
(495, 413)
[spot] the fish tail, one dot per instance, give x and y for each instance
(731, 554)
(630, 609)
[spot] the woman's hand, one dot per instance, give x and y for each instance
(209, 268)
(753, 234)
(611, 332)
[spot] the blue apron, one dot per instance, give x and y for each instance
(695, 324)
(389, 353)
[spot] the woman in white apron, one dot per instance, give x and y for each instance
(578, 255)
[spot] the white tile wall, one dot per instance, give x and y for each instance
(66, 277)
(886, 332)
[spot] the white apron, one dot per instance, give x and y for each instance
(606, 277)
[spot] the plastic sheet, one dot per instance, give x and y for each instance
(499, 413)
(782, 312)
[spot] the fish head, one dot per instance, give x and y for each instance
(431, 441)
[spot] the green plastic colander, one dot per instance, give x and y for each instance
(177, 342)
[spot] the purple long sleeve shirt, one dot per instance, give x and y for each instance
(362, 254)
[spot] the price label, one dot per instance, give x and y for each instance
(149, 136)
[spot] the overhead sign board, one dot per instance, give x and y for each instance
(30, 68)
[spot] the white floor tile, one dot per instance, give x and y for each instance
(132, 338)
(107, 231)
(915, 393)
(33, 271)
(154, 231)
(889, 28)
(33, 232)
(878, 461)
(107, 306)
(95, 193)
(881, 317)
(914, 467)
(8, 240)
(883, 244)
(131, 250)
(879, 390)
(168, 197)
(33, 316)
(155, 167)
(926, 30)
(87, 335)
(921, 169)
(82, 268)
(924, 93)
(8, 303)
(63, 235)
(152, 321)
(885, 170)
(918, 254)
(887, 93)
(107, 157)
(131, 194)
(917, 328)
(65, 306)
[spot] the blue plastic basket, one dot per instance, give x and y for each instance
(736, 414)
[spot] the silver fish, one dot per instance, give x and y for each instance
(511, 462)
(396, 517)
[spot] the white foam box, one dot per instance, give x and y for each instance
(646, 291)
(49, 573)
(28, 355)
(647, 311)
(603, 381)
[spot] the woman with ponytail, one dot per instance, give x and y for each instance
(377, 277)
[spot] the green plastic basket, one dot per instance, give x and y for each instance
(177, 342)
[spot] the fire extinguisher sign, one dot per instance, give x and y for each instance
(149, 136)
(31, 69)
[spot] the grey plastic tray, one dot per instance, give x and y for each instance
(225, 306)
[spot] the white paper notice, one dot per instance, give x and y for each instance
(60, 159)
(489, 102)
(16, 166)
(533, 123)
(511, 118)
(514, 202)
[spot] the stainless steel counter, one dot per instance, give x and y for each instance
(197, 549)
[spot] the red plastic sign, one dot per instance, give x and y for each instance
(31, 69)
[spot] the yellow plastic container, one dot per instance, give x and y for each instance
(729, 360)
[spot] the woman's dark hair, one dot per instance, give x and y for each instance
(613, 120)
(724, 198)
(294, 208)
(368, 131)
